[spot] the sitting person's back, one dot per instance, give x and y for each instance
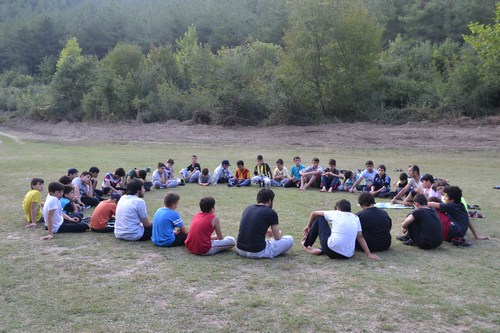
(375, 223)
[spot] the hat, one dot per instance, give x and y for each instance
(72, 171)
(225, 162)
(115, 196)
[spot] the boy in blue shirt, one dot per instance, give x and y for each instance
(168, 227)
(295, 173)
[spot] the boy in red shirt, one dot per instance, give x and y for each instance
(200, 240)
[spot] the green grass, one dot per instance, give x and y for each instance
(95, 283)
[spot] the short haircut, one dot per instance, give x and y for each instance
(332, 162)
(142, 174)
(94, 169)
(343, 205)
(161, 165)
(296, 158)
(381, 166)
(428, 177)
(204, 172)
(442, 182)
(434, 199)
(454, 193)
(415, 168)
(85, 173)
(206, 204)
(171, 199)
(260, 157)
(134, 186)
(348, 174)
(194, 156)
(369, 162)
(240, 162)
(365, 199)
(65, 180)
(315, 159)
(120, 172)
(420, 199)
(170, 161)
(55, 186)
(403, 176)
(68, 189)
(265, 195)
(279, 161)
(36, 181)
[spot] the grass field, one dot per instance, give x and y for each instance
(95, 283)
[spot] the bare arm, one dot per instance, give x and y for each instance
(474, 232)
(400, 193)
(33, 207)
(356, 183)
(276, 232)
(408, 220)
(50, 225)
(312, 217)
(364, 246)
(216, 225)
(146, 223)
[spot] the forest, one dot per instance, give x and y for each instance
(249, 62)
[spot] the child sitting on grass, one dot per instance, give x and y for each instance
(32, 203)
(200, 240)
(168, 227)
(54, 216)
(330, 179)
(68, 204)
(204, 179)
(349, 180)
(102, 219)
(381, 185)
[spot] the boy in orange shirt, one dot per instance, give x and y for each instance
(102, 219)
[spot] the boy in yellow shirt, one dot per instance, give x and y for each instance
(32, 203)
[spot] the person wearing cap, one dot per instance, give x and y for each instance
(103, 217)
(72, 173)
(222, 174)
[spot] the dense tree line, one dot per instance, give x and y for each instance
(249, 62)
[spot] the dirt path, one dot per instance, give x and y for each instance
(461, 135)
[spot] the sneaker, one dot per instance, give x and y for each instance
(408, 242)
(403, 238)
(460, 242)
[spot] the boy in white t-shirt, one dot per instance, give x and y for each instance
(339, 241)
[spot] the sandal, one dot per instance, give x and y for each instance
(476, 215)
(473, 207)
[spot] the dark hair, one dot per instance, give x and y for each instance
(134, 186)
(194, 156)
(171, 161)
(142, 174)
(343, 205)
(381, 166)
(94, 169)
(240, 162)
(369, 162)
(170, 199)
(415, 168)
(420, 199)
(365, 199)
(348, 174)
(428, 177)
(204, 172)
(35, 181)
(85, 173)
(206, 204)
(68, 189)
(315, 159)
(55, 186)
(65, 180)
(265, 195)
(296, 158)
(161, 165)
(260, 157)
(454, 193)
(403, 176)
(279, 161)
(442, 182)
(332, 161)
(434, 199)
(120, 172)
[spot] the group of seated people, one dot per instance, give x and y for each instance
(439, 211)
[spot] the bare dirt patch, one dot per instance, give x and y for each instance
(461, 134)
